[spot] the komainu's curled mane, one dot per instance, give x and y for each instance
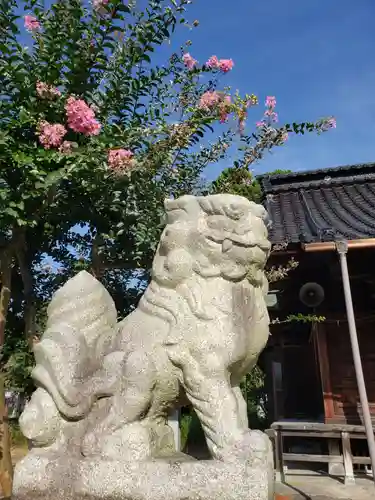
(198, 329)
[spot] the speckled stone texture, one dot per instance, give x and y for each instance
(157, 480)
(98, 420)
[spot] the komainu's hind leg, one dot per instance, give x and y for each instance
(128, 405)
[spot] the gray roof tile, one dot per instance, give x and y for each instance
(321, 205)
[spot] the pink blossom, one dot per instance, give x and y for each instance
(67, 146)
(98, 4)
(209, 99)
(241, 125)
(225, 108)
(329, 123)
(51, 134)
(31, 23)
(226, 65)
(242, 115)
(227, 100)
(46, 91)
(81, 118)
(213, 62)
(224, 116)
(270, 101)
(272, 115)
(260, 124)
(119, 159)
(189, 61)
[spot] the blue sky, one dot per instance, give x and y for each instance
(315, 56)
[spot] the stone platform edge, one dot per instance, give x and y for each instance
(74, 478)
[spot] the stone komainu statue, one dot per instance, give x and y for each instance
(104, 389)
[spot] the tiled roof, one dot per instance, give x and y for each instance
(321, 205)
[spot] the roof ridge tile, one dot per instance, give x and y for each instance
(346, 173)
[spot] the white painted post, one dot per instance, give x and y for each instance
(348, 461)
(174, 422)
(342, 249)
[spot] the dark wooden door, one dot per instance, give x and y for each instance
(302, 388)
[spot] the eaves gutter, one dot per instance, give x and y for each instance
(326, 246)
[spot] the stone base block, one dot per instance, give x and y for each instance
(74, 478)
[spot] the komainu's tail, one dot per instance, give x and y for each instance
(81, 325)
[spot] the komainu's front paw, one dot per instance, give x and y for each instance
(254, 447)
(41, 422)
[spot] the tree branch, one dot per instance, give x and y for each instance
(6, 259)
(28, 290)
(96, 258)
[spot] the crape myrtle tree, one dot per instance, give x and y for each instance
(93, 136)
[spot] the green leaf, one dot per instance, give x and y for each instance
(52, 178)
(4, 138)
(11, 211)
(123, 8)
(23, 116)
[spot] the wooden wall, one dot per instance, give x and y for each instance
(341, 399)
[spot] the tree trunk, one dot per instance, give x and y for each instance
(28, 290)
(6, 281)
(6, 469)
(96, 258)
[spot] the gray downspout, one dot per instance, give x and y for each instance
(342, 250)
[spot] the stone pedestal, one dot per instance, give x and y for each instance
(175, 478)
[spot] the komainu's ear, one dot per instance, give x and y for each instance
(186, 206)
